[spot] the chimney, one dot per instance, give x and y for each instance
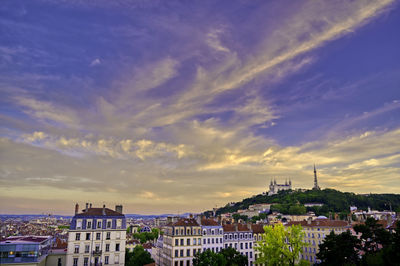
(190, 216)
(90, 205)
(76, 208)
(236, 227)
(309, 220)
(104, 209)
(118, 208)
(87, 206)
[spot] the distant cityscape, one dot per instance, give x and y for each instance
(98, 235)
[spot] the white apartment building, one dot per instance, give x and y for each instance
(239, 237)
(97, 237)
(213, 235)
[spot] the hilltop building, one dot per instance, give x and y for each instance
(97, 236)
(274, 188)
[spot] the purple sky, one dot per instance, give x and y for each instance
(178, 106)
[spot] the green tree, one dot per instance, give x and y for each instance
(138, 257)
(373, 236)
(233, 257)
(281, 245)
(226, 257)
(339, 249)
(209, 258)
(297, 209)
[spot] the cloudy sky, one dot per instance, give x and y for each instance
(179, 106)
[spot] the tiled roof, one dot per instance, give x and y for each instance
(320, 223)
(99, 212)
(209, 222)
(186, 222)
(235, 227)
(257, 228)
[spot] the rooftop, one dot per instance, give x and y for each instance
(99, 212)
(319, 223)
(25, 239)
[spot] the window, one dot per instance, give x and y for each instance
(97, 248)
(241, 245)
(181, 252)
(59, 262)
(108, 224)
(247, 246)
(188, 242)
(119, 223)
(176, 263)
(188, 252)
(176, 231)
(87, 248)
(216, 240)
(85, 261)
(117, 247)
(176, 242)
(87, 236)
(75, 263)
(212, 232)
(78, 236)
(226, 245)
(76, 249)
(79, 224)
(116, 259)
(194, 241)
(98, 236)
(89, 224)
(182, 242)
(250, 245)
(208, 241)
(188, 232)
(106, 260)
(108, 236)
(241, 236)
(212, 240)
(194, 252)
(176, 253)
(107, 247)
(98, 224)
(235, 245)
(251, 254)
(117, 235)
(204, 241)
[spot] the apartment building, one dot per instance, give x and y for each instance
(213, 235)
(239, 237)
(258, 230)
(97, 237)
(181, 241)
(316, 231)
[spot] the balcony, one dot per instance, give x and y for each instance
(96, 252)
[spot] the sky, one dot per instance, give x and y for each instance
(181, 106)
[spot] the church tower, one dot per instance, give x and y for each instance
(316, 187)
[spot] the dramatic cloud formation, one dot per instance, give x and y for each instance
(176, 107)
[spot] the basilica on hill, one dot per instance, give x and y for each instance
(274, 187)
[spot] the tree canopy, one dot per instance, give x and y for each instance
(226, 257)
(138, 257)
(280, 245)
(375, 246)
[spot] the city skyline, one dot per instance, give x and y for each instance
(169, 106)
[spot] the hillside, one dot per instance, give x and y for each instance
(333, 200)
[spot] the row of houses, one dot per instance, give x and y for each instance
(186, 237)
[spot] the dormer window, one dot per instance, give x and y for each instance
(89, 224)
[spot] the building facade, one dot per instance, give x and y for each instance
(258, 231)
(274, 187)
(25, 250)
(239, 237)
(315, 232)
(97, 237)
(213, 235)
(181, 241)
